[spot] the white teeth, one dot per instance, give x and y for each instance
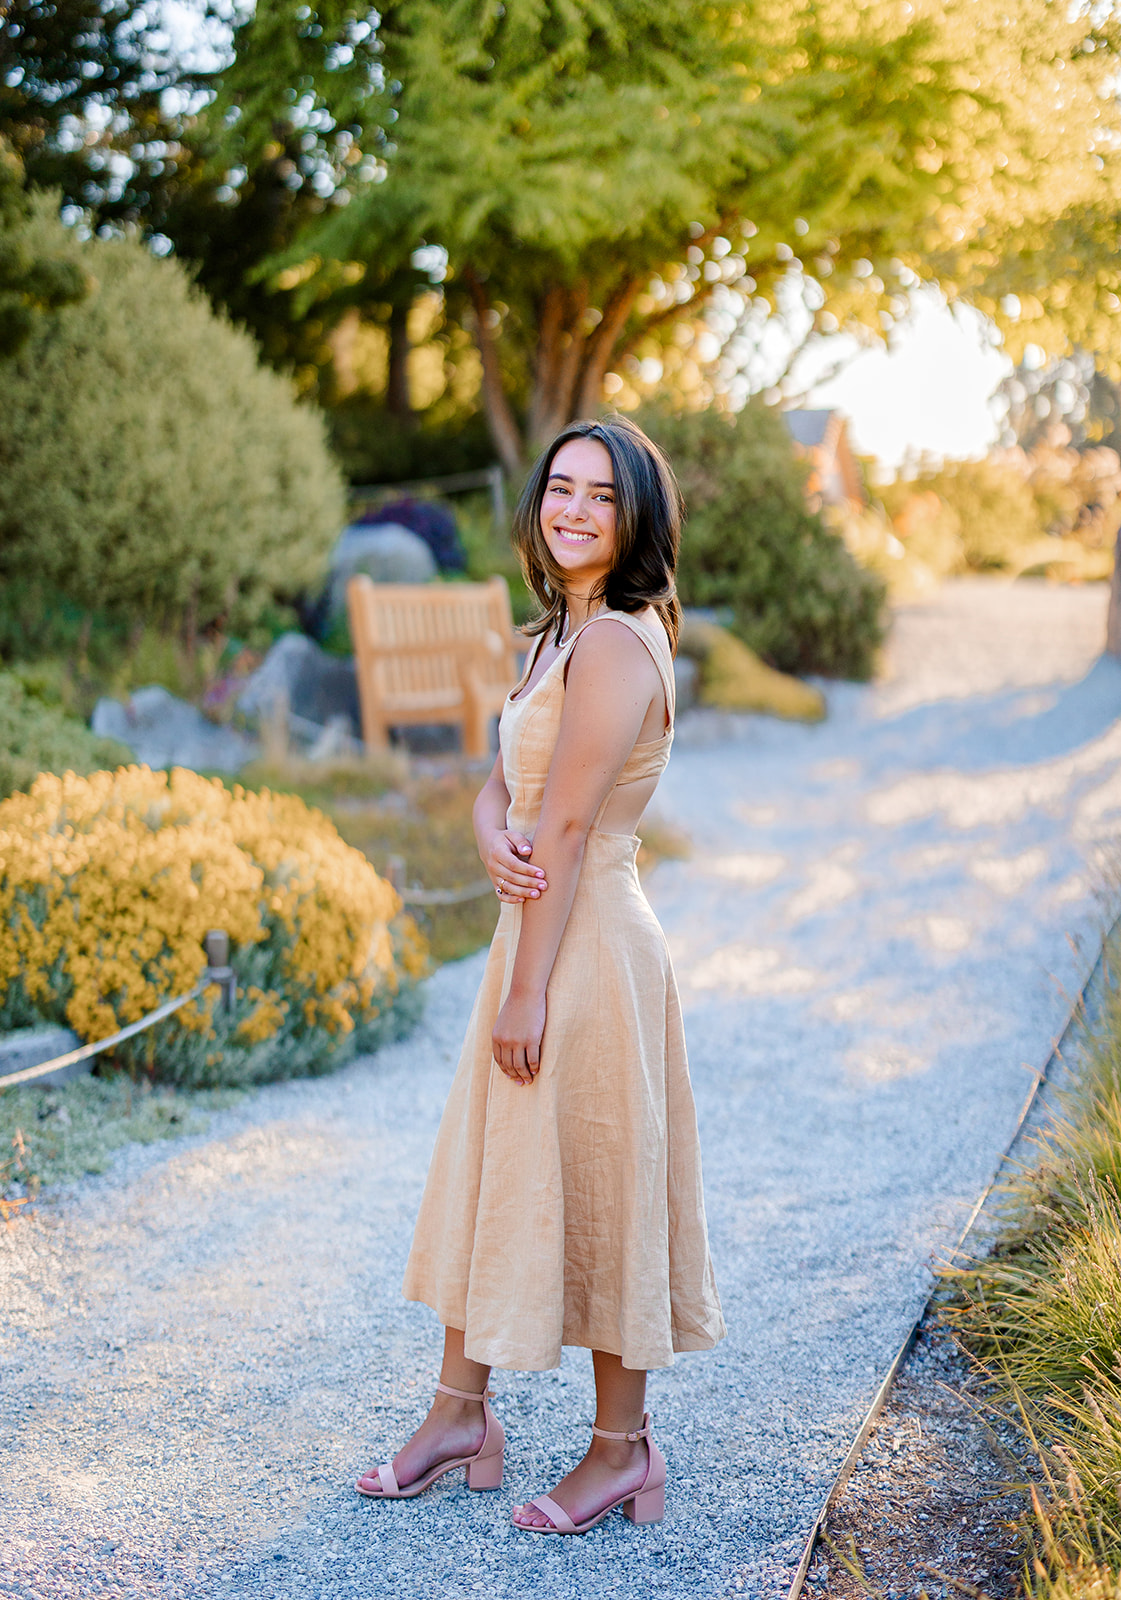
(583, 538)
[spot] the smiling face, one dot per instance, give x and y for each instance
(578, 513)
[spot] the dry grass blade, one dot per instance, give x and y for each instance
(851, 1562)
(955, 1583)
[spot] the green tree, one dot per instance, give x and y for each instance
(83, 100)
(594, 171)
(285, 138)
(229, 178)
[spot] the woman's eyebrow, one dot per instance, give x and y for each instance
(564, 478)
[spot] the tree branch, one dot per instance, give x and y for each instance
(553, 405)
(503, 424)
(550, 323)
(666, 314)
(601, 346)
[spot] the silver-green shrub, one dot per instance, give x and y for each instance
(149, 464)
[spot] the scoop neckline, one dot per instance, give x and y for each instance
(523, 691)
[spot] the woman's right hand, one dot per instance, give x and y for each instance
(506, 858)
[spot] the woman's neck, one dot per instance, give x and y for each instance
(579, 607)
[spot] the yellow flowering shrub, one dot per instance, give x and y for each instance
(109, 883)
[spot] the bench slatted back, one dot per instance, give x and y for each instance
(431, 653)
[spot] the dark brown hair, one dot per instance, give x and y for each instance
(648, 515)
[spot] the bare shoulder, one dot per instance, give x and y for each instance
(610, 646)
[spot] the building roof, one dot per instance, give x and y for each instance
(808, 428)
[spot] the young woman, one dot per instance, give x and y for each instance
(564, 1203)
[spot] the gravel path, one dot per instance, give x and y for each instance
(873, 937)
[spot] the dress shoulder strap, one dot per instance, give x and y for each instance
(531, 655)
(656, 640)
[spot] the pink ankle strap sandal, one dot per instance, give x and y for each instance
(645, 1504)
(484, 1468)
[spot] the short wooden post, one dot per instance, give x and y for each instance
(218, 969)
(496, 482)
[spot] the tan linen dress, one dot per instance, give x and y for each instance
(571, 1211)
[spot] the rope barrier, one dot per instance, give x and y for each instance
(447, 897)
(416, 896)
(218, 971)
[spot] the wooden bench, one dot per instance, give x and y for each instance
(431, 652)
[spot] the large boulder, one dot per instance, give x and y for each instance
(388, 553)
(313, 685)
(431, 521)
(163, 731)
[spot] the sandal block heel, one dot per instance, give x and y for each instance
(485, 1473)
(649, 1505)
(484, 1468)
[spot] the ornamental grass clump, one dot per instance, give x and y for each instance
(109, 883)
(1042, 1313)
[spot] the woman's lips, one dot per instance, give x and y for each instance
(571, 537)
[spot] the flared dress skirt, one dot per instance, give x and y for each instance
(571, 1211)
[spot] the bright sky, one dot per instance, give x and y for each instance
(929, 392)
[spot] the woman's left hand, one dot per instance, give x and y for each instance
(516, 1040)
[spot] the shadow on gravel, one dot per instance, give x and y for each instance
(1017, 728)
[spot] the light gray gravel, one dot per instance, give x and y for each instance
(873, 938)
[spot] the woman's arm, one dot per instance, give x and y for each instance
(504, 853)
(612, 682)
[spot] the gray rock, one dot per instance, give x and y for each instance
(29, 1047)
(388, 553)
(289, 658)
(317, 687)
(163, 731)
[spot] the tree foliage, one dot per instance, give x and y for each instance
(226, 166)
(149, 466)
(597, 175)
(594, 172)
(1070, 392)
(82, 100)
